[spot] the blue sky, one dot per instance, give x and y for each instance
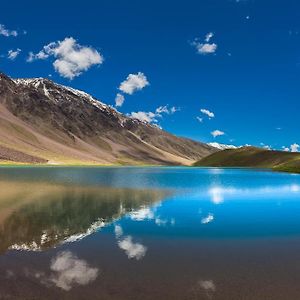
(239, 60)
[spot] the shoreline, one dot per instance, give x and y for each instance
(14, 164)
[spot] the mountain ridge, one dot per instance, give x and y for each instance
(253, 157)
(62, 125)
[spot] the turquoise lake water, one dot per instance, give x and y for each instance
(149, 233)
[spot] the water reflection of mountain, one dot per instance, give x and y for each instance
(40, 216)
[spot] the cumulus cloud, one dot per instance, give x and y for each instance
(207, 112)
(295, 147)
(152, 117)
(142, 214)
(12, 54)
(71, 58)
(205, 47)
(133, 82)
(217, 132)
(119, 100)
(132, 250)
(199, 119)
(207, 285)
(68, 271)
(148, 117)
(7, 32)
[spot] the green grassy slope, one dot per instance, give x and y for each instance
(253, 157)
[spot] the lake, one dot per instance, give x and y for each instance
(149, 233)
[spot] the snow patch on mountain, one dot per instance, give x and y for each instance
(222, 146)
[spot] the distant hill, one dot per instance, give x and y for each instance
(44, 122)
(254, 158)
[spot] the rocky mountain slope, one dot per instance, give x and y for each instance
(41, 121)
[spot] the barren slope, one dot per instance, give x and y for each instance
(58, 124)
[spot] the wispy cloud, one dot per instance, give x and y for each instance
(12, 54)
(7, 32)
(208, 36)
(133, 82)
(199, 119)
(208, 219)
(71, 58)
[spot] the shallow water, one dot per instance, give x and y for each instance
(149, 233)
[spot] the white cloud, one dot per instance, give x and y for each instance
(12, 54)
(133, 250)
(205, 47)
(295, 147)
(152, 117)
(148, 117)
(69, 270)
(217, 132)
(142, 214)
(133, 82)
(199, 119)
(7, 32)
(207, 112)
(71, 59)
(209, 218)
(119, 100)
(207, 285)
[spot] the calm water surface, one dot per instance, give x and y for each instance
(149, 233)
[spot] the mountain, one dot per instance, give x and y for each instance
(44, 122)
(253, 157)
(35, 221)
